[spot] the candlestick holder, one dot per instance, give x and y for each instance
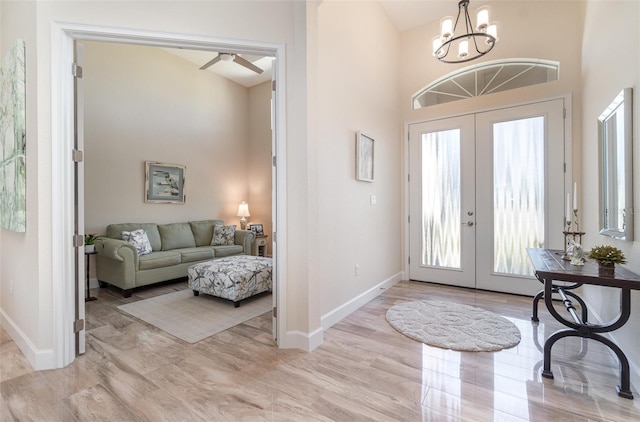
(571, 236)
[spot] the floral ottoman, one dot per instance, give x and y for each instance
(234, 277)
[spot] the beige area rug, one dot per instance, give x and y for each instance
(194, 318)
(453, 326)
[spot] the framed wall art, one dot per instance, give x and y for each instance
(13, 140)
(164, 183)
(364, 157)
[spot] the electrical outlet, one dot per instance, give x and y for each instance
(357, 270)
(373, 200)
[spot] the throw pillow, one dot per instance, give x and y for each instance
(176, 236)
(223, 235)
(139, 239)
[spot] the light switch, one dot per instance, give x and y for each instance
(373, 200)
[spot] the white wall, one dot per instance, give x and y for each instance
(143, 103)
(610, 62)
(356, 78)
(26, 311)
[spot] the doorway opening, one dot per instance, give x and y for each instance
(68, 276)
(152, 103)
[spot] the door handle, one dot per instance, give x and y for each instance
(468, 223)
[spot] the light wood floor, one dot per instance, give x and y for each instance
(364, 371)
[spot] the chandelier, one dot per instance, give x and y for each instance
(458, 47)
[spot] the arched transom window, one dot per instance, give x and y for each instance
(486, 78)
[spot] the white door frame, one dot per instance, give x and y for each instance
(568, 156)
(62, 136)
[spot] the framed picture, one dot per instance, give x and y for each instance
(164, 183)
(257, 229)
(364, 157)
(13, 135)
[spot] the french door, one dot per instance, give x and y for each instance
(483, 188)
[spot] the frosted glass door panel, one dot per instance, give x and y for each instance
(441, 199)
(520, 190)
(518, 193)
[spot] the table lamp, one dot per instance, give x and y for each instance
(243, 212)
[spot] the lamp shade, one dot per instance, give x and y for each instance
(243, 210)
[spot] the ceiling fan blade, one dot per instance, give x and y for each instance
(247, 64)
(210, 62)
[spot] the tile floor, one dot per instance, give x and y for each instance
(364, 371)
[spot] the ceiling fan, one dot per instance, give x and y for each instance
(232, 57)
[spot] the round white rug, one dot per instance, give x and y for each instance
(453, 326)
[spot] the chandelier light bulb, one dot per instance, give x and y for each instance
(447, 27)
(493, 31)
(482, 20)
(463, 49)
(437, 43)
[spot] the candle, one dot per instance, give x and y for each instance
(575, 196)
(568, 210)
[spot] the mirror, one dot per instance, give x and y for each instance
(615, 143)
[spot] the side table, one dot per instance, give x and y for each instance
(87, 256)
(259, 247)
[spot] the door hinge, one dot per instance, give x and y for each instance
(77, 156)
(273, 85)
(275, 312)
(273, 161)
(78, 240)
(274, 237)
(409, 260)
(409, 219)
(78, 325)
(564, 113)
(565, 167)
(408, 178)
(76, 70)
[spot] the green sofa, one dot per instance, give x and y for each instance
(174, 247)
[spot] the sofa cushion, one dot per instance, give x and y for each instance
(203, 231)
(158, 260)
(227, 250)
(195, 254)
(223, 235)
(176, 235)
(114, 231)
(139, 239)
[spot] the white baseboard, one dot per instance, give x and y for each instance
(334, 316)
(309, 341)
(301, 340)
(39, 359)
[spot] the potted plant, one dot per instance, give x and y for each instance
(607, 257)
(90, 242)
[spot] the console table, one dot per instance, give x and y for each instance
(549, 267)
